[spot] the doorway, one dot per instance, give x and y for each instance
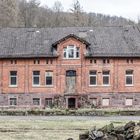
(70, 81)
(71, 103)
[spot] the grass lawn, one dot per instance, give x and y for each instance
(46, 130)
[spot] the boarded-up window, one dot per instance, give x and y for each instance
(94, 101)
(105, 101)
(128, 101)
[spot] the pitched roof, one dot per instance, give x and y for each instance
(37, 42)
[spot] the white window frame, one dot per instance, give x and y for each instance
(49, 76)
(129, 75)
(105, 75)
(10, 76)
(35, 85)
(93, 75)
(68, 48)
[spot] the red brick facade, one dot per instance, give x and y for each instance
(116, 94)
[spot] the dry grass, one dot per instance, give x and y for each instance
(46, 130)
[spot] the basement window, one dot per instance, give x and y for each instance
(13, 101)
(105, 102)
(128, 101)
(36, 101)
(48, 102)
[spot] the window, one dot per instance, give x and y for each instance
(36, 78)
(36, 101)
(13, 101)
(106, 78)
(49, 78)
(36, 61)
(13, 78)
(47, 61)
(106, 61)
(71, 52)
(128, 101)
(129, 61)
(13, 61)
(93, 78)
(129, 77)
(105, 102)
(48, 102)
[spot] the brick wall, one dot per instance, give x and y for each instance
(115, 91)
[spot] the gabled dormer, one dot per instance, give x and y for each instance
(71, 48)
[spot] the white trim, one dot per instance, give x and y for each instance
(35, 85)
(74, 53)
(13, 86)
(129, 85)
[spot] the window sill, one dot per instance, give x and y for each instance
(106, 85)
(36, 86)
(49, 86)
(129, 85)
(93, 85)
(11, 86)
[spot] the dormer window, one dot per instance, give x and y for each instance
(71, 52)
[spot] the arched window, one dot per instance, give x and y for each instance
(71, 73)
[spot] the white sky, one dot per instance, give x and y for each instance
(125, 8)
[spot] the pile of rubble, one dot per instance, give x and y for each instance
(130, 131)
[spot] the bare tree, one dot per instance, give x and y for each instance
(8, 13)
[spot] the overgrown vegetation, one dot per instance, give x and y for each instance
(23, 13)
(78, 112)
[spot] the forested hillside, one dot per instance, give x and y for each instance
(20, 13)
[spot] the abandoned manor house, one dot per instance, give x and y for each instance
(71, 67)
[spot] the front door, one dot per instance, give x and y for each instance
(70, 81)
(71, 102)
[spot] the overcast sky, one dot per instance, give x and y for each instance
(125, 8)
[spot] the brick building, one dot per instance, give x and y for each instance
(70, 67)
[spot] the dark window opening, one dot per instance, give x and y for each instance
(36, 101)
(13, 101)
